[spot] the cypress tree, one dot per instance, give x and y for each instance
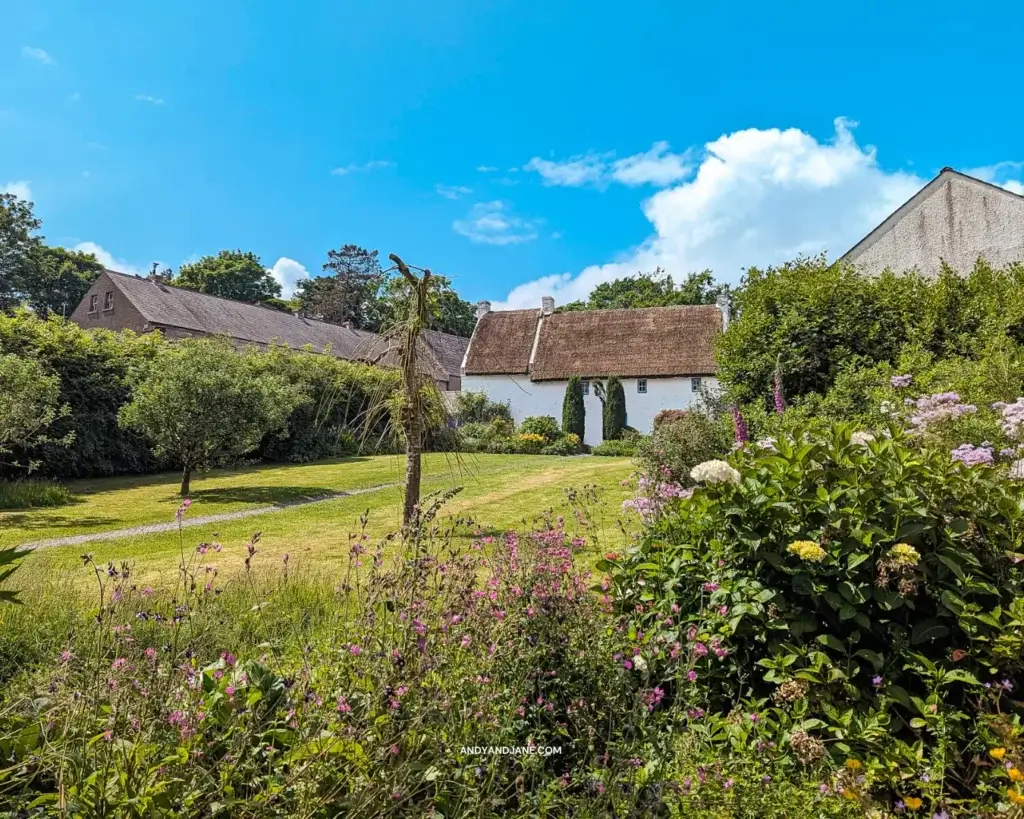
(614, 410)
(573, 409)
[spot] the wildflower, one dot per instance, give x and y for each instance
(848, 794)
(913, 803)
(354, 650)
(711, 587)
(728, 784)
(780, 403)
(807, 550)
(65, 656)
(767, 444)
(654, 698)
(1015, 797)
(854, 764)
(343, 706)
(876, 681)
(691, 676)
(739, 426)
(1016, 775)
(715, 471)
(997, 754)
(724, 610)
(639, 663)
(118, 664)
(901, 381)
(903, 554)
(973, 456)
(700, 650)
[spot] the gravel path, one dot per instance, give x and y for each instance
(155, 528)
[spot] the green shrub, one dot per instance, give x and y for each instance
(667, 416)
(614, 411)
(868, 586)
(566, 445)
(33, 494)
(615, 449)
(543, 425)
(682, 442)
(476, 407)
(574, 410)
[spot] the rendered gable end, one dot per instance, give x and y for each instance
(954, 218)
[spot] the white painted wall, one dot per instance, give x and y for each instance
(526, 397)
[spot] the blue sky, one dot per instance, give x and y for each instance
(521, 147)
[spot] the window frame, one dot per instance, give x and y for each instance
(94, 303)
(641, 382)
(696, 382)
(108, 300)
(585, 382)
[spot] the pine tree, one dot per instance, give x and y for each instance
(614, 420)
(573, 410)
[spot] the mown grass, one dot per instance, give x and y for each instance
(499, 492)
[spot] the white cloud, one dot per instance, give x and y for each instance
(486, 168)
(288, 273)
(758, 197)
(493, 223)
(369, 166)
(583, 169)
(657, 166)
(107, 259)
(21, 189)
(453, 191)
(37, 54)
(149, 99)
(997, 174)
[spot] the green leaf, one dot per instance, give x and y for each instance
(872, 657)
(928, 630)
(831, 642)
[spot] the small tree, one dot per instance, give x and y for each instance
(614, 416)
(31, 402)
(231, 274)
(574, 412)
(204, 403)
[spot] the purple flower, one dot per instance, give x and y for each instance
(973, 456)
(901, 381)
(740, 431)
(876, 681)
(780, 402)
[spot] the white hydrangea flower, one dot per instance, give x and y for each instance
(715, 472)
(639, 663)
(767, 443)
(861, 438)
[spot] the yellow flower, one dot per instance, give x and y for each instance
(1015, 798)
(913, 803)
(853, 764)
(807, 550)
(904, 554)
(848, 794)
(1016, 775)
(997, 754)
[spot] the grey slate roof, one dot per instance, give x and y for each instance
(164, 305)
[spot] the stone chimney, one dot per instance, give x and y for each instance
(547, 305)
(482, 309)
(723, 304)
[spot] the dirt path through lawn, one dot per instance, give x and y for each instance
(155, 528)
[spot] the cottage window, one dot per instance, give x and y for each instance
(108, 300)
(586, 388)
(695, 384)
(641, 386)
(94, 302)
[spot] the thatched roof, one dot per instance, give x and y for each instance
(502, 343)
(639, 343)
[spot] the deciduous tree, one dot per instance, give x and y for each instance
(18, 243)
(204, 403)
(231, 274)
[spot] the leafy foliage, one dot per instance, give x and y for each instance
(543, 425)
(614, 448)
(18, 244)
(680, 441)
(96, 371)
(30, 405)
(876, 577)
(475, 407)
(614, 410)
(204, 403)
(347, 294)
(655, 289)
(574, 411)
(231, 274)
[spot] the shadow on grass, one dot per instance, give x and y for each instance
(267, 495)
(38, 520)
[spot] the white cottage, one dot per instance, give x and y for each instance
(664, 356)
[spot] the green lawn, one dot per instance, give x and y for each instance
(499, 492)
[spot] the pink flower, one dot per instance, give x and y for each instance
(343, 706)
(119, 663)
(230, 691)
(65, 656)
(691, 676)
(355, 650)
(700, 650)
